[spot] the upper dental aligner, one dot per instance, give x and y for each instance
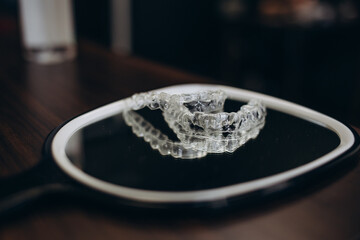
(248, 116)
(217, 141)
(165, 102)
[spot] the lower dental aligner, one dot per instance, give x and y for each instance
(158, 140)
(198, 121)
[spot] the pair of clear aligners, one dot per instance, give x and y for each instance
(197, 122)
(197, 147)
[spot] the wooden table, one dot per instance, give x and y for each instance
(34, 99)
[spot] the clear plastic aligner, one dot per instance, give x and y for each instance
(158, 140)
(198, 121)
(216, 141)
(207, 101)
(203, 110)
(248, 116)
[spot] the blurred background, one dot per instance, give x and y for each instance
(305, 51)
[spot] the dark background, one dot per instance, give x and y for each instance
(310, 56)
(305, 51)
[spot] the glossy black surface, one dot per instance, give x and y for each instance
(108, 150)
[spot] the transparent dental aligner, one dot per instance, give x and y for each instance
(249, 115)
(198, 121)
(217, 141)
(190, 146)
(209, 123)
(201, 110)
(158, 140)
(201, 101)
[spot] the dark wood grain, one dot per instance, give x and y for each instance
(35, 99)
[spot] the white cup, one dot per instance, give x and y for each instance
(47, 30)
